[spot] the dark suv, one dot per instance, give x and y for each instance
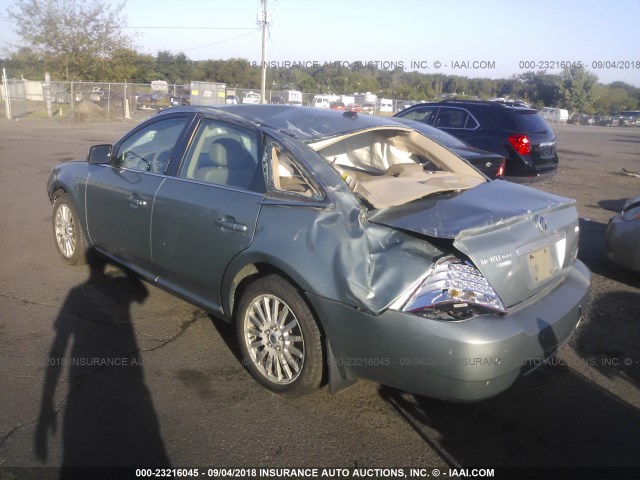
(512, 130)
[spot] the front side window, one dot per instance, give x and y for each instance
(224, 154)
(422, 114)
(149, 149)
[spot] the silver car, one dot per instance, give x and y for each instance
(341, 245)
(623, 236)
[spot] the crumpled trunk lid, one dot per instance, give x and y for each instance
(523, 240)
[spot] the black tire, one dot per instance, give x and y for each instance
(289, 347)
(68, 235)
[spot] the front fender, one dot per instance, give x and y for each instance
(71, 177)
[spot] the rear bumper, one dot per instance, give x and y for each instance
(529, 168)
(460, 361)
(534, 178)
(622, 243)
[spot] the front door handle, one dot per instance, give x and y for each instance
(230, 224)
(135, 201)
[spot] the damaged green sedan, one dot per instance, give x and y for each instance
(342, 246)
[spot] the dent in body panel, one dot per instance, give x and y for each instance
(338, 255)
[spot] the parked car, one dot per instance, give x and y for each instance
(179, 100)
(337, 106)
(231, 99)
(555, 115)
(385, 105)
(518, 133)
(251, 97)
(402, 105)
(489, 163)
(623, 236)
(340, 245)
(369, 108)
(149, 101)
(629, 118)
(354, 107)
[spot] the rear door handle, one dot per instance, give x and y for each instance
(230, 224)
(135, 201)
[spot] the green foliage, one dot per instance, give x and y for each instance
(73, 37)
(576, 89)
(84, 40)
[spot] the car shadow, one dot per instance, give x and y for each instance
(550, 418)
(227, 332)
(108, 415)
(612, 205)
(592, 253)
(625, 139)
(610, 341)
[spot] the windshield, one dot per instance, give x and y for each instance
(387, 167)
(532, 122)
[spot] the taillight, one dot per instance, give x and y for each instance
(500, 172)
(630, 216)
(521, 143)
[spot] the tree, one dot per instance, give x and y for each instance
(72, 36)
(577, 89)
(130, 66)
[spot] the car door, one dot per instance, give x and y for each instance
(425, 114)
(207, 213)
(456, 121)
(119, 195)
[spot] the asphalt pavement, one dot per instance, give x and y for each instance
(106, 370)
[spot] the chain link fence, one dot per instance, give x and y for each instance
(14, 98)
(86, 101)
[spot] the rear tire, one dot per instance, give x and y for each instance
(67, 231)
(279, 337)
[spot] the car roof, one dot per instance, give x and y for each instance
(477, 103)
(304, 123)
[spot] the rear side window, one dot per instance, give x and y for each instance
(455, 118)
(532, 122)
(224, 154)
(502, 118)
(287, 176)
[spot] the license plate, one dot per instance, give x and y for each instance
(540, 264)
(546, 150)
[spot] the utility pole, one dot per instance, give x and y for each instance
(263, 81)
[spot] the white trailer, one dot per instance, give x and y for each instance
(293, 97)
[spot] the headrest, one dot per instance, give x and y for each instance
(218, 154)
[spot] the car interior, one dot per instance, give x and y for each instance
(224, 155)
(388, 167)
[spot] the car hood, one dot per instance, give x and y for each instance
(523, 240)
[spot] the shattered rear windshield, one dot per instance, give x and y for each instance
(389, 167)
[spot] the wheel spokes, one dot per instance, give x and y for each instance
(65, 231)
(274, 339)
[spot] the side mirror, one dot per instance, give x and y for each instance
(100, 154)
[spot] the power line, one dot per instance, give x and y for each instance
(254, 30)
(192, 28)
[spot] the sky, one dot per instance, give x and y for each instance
(472, 38)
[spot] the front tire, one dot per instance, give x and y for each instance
(279, 337)
(67, 231)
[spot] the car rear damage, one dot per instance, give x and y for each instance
(498, 289)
